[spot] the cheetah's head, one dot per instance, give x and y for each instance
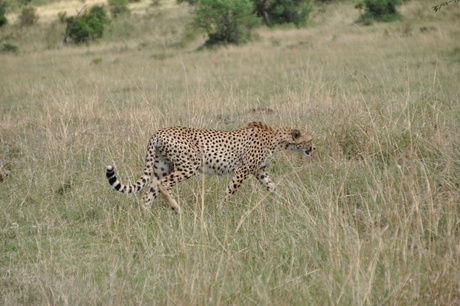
(301, 142)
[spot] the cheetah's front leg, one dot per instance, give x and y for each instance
(240, 175)
(264, 179)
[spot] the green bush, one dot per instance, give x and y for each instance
(3, 19)
(190, 2)
(231, 21)
(283, 11)
(28, 16)
(118, 7)
(88, 26)
(225, 21)
(9, 48)
(378, 10)
(328, 1)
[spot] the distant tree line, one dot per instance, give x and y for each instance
(231, 21)
(224, 21)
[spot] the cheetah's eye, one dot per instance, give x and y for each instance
(295, 134)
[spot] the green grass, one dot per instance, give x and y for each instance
(372, 218)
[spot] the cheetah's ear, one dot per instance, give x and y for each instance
(295, 134)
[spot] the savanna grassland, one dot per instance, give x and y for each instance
(371, 218)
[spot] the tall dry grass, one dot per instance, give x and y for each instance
(371, 218)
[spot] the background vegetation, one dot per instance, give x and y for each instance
(228, 21)
(3, 19)
(379, 10)
(87, 25)
(371, 218)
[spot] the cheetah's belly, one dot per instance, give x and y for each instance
(215, 170)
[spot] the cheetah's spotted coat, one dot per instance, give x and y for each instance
(175, 154)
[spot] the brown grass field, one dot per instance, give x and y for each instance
(372, 218)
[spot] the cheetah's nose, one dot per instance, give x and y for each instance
(308, 152)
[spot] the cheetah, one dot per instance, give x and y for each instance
(175, 154)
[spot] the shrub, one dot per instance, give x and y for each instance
(28, 16)
(96, 61)
(88, 26)
(283, 11)
(9, 48)
(190, 2)
(118, 7)
(225, 21)
(378, 10)
(3, 19)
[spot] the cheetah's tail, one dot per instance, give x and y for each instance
(115, 183)
(142, 181)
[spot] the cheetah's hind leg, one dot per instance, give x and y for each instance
(164, 190)
(151, 194)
